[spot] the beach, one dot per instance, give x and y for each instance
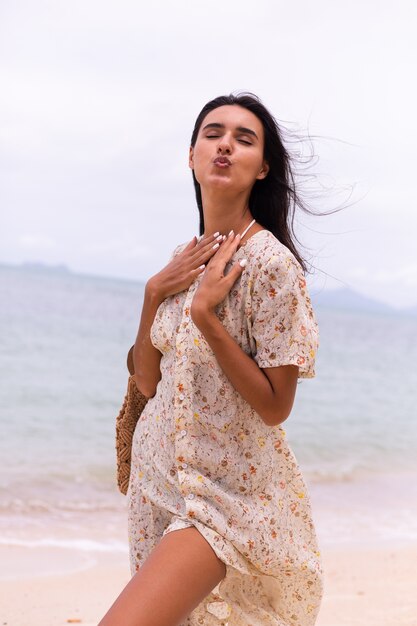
(363, 587)
(369, 576)
(63, 523)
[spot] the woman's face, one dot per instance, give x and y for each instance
(228, 153)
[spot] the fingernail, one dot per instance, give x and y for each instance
(231, 233)
(220, 237)
(243, 262)
(224, 237)
(238, 236)
(216, 245)
(215, 234)
(201, 267)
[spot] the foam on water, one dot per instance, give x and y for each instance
(83, 545)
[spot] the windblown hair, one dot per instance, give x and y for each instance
(273, 200)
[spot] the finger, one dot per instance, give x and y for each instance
(229, 247)
(196, 255)
(209, 251)
(206, 244)
(199, 269)
(232, 238)
(236, 271)
(191, 244)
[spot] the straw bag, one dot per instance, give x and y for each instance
(126, 421)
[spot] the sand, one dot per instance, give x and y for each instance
(370, 587)
(79, 596)
(367, 530)
(363, 586)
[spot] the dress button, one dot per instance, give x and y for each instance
(184, 465)
(191, 496)
(181, 396)
(183, 432)
(184, 358)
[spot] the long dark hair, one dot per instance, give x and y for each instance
(273, 200)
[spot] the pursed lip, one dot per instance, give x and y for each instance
(222, 161)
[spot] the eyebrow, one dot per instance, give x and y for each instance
(241, 129)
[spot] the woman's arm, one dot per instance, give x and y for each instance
(176, 276)
(270, 391)
(146, 358)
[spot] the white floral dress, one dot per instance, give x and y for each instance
(202, 456)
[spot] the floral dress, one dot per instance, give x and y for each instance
(203, 457)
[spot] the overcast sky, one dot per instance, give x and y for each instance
(98, 101)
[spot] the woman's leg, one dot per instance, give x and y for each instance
(178, 574)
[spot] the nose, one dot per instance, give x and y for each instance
(224, 145)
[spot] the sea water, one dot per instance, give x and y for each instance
(63, 347)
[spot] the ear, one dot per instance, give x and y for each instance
(264, 171)
(191, 158)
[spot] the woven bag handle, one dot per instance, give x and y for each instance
(130, 365)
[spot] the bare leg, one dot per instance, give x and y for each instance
(178, 574)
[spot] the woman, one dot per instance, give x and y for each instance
(226, 330)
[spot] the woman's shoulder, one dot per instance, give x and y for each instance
(266, 253)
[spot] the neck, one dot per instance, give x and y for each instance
(223, 213)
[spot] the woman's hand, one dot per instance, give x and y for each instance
(214, 285)
(185, 266)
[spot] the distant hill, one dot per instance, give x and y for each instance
(343, 299)
(349, 300)
(38, 265)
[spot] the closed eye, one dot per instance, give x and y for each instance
(248, 143)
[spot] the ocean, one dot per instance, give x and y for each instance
(64, 340)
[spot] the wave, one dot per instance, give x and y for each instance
(83, 545)
(37, 505)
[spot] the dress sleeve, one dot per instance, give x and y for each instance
(284, 328)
